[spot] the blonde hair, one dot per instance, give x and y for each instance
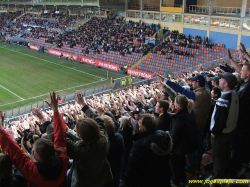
(110, 124)
(185, 103)
(248, 65)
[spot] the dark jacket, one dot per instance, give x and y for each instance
(183, 132)
(148, 163)
(90, 167)
(202, 101)
(115, 156)
(17, 180)
(244, 107)
(164, 122)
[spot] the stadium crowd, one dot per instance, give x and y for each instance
(43, 25)
(111, 34)
(7, 17)
(168, 47)
(98, 34)
(149, 135)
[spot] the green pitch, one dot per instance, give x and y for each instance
(27, 76)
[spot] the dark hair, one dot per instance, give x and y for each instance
(184, 102)
(5, 167)
(202, 84)
(217, 91)
(47, 152)
(164, 104)
(89, 131)
(148, 121)
(113, 112)
(110, 124)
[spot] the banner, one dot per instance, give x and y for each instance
(82, 59)
(87, 60)
(107, 65)
(139, 73)
(34, 47)
(58, 53)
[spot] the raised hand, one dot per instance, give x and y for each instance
(2, 115)
(80, 99)
(243, 48)
(229, 55)
(200, 68)
(160, 78)
(53, 101)
(217, 62)
(39, 114)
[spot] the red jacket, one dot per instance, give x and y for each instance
(27, 167)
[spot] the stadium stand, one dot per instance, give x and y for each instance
(201, 118)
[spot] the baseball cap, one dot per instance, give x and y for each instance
(165, 93)
(198, 78)
(230, 78)
(210, 75)
(216, 79)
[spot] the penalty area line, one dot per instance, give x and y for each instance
(12, 92)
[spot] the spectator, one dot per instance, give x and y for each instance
(116, 151)
(148, 163)
(126, 129)
(90, 150)
(240, 145)
(183, 133)
(202, 101)
(7, 177)
(209, 80)
(164, 119)
(223, 124)
(51, 159)
(215, 81)
(215, 94)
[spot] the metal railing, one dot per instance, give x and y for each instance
(217, 10)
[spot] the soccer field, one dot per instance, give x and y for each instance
(27, 76)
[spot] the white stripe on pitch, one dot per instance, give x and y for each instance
(12, 92)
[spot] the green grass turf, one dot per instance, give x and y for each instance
(27, 76)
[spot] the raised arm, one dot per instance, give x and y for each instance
(19, 158)
(244, 51)
(177, 88)
(59, 124)
(233, 63)
(88, 111)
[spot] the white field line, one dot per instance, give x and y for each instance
(22, 99)
(12, 92)
(48, 93)
(52, 62)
